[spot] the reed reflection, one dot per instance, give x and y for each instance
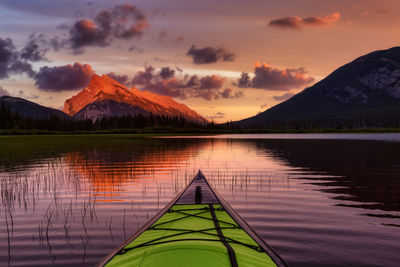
(74, 188)
(85, 195)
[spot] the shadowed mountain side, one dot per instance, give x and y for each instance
(354, 165)
(109, 108)
(363, 93)
(28, 109)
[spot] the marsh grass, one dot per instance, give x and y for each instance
(76, 195)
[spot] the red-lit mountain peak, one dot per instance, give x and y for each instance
(105, 88)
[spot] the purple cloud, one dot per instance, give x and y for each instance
(122, 21)
(267, 77)
(10, 61)
(67, 77)
(165, 82)
(209, 54)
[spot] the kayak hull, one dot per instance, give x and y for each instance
(197, 228)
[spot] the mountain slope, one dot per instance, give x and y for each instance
(29, 109)
(365, 91)
(105, 88)
(108, 108)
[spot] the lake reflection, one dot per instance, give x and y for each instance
(70, 200)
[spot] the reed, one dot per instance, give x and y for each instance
(83, 198)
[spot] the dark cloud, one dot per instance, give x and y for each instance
(67, 77)
(298, 23)
(229, 93)
(35, 49)
(165, 82)
(283, 97)
(209, 54)
(3, 91)
(244, 80)
(57, 43)
(264, 106)
(124, 79)
(167, 73)
(144, 77)
(122, 21)
(19, 67)
(13, 61)
(7, 56)
(127, 21)
(10, 61)
(86, 32)
(267, 77)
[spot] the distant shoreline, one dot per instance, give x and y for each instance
(169, 131)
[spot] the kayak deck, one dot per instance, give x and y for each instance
(196, 229)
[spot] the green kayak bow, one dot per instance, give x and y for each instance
(197, 228)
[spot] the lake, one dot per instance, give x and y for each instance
(317, 199)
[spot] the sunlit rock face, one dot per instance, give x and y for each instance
(110, 92)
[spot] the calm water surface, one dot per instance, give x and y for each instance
(318, 200)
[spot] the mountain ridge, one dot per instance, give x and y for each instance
(105, 88)
(366, 90)
(29, 109)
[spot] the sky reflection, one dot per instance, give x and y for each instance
(84, 195)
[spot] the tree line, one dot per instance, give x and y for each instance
(13, 120)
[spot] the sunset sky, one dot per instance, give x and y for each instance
(49, 49)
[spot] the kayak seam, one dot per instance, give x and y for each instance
(231, 252)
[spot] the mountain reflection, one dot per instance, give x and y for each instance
(97, 164)
(88, 193)
(367, 173)
(361, 174)
(107, 169)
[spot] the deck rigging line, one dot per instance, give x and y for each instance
(231, 252)
(218, 228)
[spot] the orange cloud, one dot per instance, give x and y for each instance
(320, 21)
(268, 77)
(298, 23)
